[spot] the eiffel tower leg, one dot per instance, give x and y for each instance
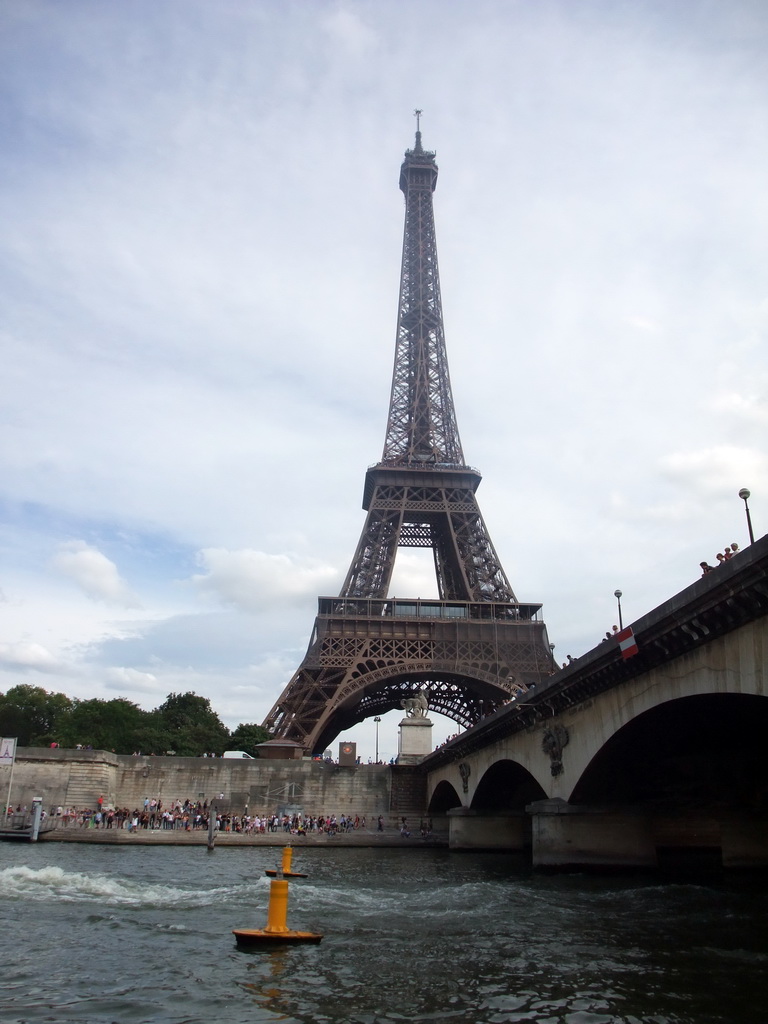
(304, 705)
(371, 569)
(484, 576)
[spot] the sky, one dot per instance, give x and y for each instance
(199, 268)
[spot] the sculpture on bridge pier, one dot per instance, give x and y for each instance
(553, 742)
(416, 707)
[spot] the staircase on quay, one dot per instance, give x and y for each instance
(87, 782)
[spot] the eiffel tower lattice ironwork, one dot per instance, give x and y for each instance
(476, 646)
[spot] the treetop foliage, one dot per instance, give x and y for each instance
(184, 724)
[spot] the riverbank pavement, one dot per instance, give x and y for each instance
(199, 837)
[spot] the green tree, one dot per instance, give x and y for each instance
(247, 736)
(117, 725)
(154, 736)
(193, 727)
(31, 714)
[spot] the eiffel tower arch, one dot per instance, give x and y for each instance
(476, 646)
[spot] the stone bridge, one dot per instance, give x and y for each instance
(644, 761)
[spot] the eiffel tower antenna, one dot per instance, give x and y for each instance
(476, 646)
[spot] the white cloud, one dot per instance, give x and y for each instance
(130, 680)
(347, 29)
(749, 408)
(644, 324)
(255, 581)
(414, 575)
(94, 573)
(719, 470)
(28, 657)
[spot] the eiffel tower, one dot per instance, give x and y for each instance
(476, 646)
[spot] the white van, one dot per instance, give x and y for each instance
(237, 753)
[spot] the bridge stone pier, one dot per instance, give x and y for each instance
(645, 762)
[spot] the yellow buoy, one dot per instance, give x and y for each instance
(277, 929)
(285, 870)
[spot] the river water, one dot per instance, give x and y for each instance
(132, 934)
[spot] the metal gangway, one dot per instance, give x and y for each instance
(23, 825)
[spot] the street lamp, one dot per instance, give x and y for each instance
(377, 720)
(617, 595)
(744, 494)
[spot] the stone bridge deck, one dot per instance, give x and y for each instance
(618, 761)
(733, 595)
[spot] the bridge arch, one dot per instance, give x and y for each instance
(444, 798)
(698, 751)
(382, 687)
(506, 786)
(494, 781)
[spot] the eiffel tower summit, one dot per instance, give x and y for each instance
(476, 646)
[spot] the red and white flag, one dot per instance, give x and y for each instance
(627, 642)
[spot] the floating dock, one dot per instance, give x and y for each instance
(25, 827)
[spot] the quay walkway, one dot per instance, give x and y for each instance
(179, 837)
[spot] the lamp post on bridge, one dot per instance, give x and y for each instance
(377, 720)
(744, 495)
(617, 595)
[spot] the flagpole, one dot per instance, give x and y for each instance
(10, 781)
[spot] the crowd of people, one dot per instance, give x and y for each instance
(195, 815)
(721, 558)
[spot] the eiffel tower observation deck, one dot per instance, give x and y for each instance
(476, 646)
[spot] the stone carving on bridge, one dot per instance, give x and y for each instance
(552, 743)
(465, 771)
(416, 707)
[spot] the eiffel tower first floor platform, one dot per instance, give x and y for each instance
(366, 655)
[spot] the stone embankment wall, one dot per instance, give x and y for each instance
(77, 778)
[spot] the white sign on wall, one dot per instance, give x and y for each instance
(7, 751)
